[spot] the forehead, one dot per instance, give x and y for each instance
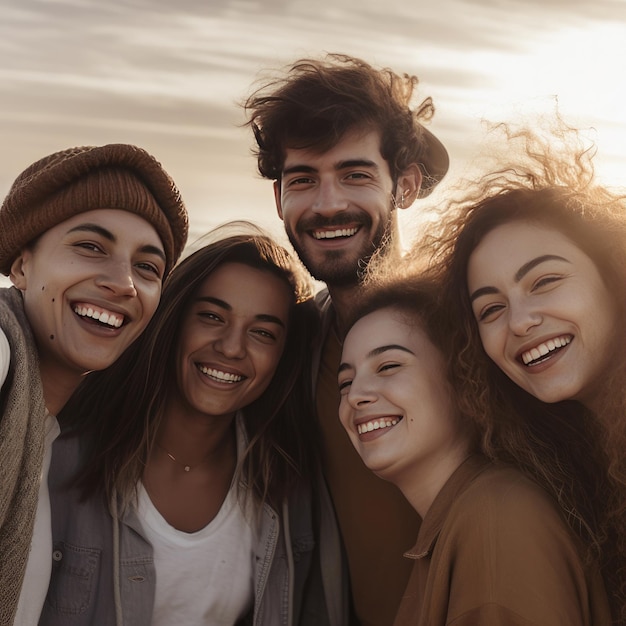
(516, 242)
(248, 289)
(355, 144)
(124, 225)
(384, 327)
(110, 217)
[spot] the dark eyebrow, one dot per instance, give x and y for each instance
(341, 165)
(521, 272)
(261, 317)
(94, 228)
(107, 234)
(376, 352)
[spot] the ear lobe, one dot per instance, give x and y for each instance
(408, 186)
(277, 199)
(17, 274)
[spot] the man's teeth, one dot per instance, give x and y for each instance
(332, 234)
(101, 316)
(545, 348)
(368, 427)
(223, 377)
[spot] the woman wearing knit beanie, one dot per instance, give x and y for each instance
(87, 236)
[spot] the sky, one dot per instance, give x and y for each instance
(169, 76)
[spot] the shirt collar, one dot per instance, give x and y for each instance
(439, 509)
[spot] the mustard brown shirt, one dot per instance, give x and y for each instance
(493, 549)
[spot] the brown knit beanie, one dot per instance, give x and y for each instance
(76, 180)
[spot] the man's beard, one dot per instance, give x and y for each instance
(337, 270)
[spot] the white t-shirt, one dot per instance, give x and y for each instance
(5, 357)
(39, 566)
(205, 577)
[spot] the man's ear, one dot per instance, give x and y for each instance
(408, 186)
(17, 275)
(277, 199)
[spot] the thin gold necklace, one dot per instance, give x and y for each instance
(186, 467)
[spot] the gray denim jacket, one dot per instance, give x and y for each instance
(83, 590)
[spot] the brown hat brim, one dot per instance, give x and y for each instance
(434, 165)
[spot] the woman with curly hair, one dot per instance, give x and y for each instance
(193, 499)
(533, 268)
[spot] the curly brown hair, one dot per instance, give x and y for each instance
(577, 455)
(317, 101)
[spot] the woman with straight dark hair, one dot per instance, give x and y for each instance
(193, 502)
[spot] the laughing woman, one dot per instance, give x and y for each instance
(201, 445)
(534, 268)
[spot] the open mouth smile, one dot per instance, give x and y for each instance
(545, 350)
(220, 376)
(334, 234)
(377, 424)
(102, 316)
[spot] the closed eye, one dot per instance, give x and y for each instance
(385, 367)
(489, 311)
(344, 384)
(546, 280)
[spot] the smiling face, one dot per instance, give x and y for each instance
(337, 205)
(545, 316)
(396, 405)
(90, 286)
(232, 339)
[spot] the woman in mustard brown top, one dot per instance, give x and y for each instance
(494, 546)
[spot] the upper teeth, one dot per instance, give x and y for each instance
(101, 316)
(331, 234)
(545, 348)
(376, 424)
(221, 376)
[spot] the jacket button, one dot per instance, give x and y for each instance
(57, 555)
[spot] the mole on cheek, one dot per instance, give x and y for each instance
(53, 299)
(51, 337)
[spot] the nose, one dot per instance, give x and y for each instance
(231, 343)
(118, 278)
(361, 394)
(523, 317)
(330, 199)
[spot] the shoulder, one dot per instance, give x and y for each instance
(505, 491)
(507, 549)
(505, 512)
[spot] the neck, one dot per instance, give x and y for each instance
(342, 298)
(420, 486)
(194, 439)
(58, 386)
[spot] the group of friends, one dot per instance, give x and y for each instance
(436, 437)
